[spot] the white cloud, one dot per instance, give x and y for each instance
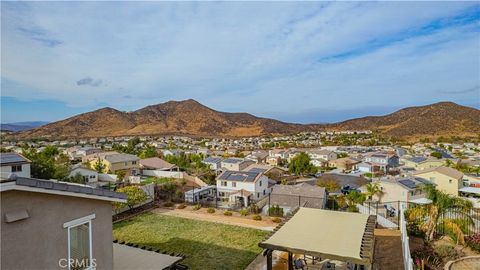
(255, 57)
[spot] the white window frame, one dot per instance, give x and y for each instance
(77, 222)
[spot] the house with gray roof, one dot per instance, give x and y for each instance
(241, 187)
(14, 163)
(291, 197)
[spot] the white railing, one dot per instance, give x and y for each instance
(407, 258)
(380, 219)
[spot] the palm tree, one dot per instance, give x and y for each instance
(373, 189)
(431, 216)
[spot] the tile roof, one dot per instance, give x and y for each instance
(115, 158)
(443, 170)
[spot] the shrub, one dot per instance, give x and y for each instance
(244, 212)
(254, 209)
(276, 219)
(228, 213)
(211, 210)
(257, 217)
(275, 211)
(197, 207)
(181, 206)
(473, 241)
(447, 252)
(168, 204)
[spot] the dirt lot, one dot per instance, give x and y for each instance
(236, 219)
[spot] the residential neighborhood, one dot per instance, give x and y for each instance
(240, 135)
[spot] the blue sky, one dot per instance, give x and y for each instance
(298, 62)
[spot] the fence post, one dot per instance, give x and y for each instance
(369, 203)
(298, 200)
(193, 194)
(269, 194)
(398, 213)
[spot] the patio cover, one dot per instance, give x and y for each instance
(327, 234)
(127, 258)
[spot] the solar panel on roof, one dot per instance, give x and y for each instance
(257, 170)
(11, 158)
(408, 183)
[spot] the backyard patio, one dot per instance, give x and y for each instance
(206, 245)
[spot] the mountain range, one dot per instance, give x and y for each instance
(189, 117)
(21, 126)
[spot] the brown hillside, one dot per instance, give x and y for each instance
(192, 118)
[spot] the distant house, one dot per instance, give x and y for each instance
(290, 197)
(274, 161)
(321, 155)
(115, 162)
(242, 187)
(400, 189)
(423, 163)
(379, 161)
(155, 163)
(344, 164)
(445, 179)
(257, 156)
(14, 163)
(171, 152)
(215, 163)
(90, 176)
(235, 164)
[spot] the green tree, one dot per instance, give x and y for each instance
(99, 166)
(148, 152)
(300, 165)
(429, 217)
(436, 154)
(353, 198)
(329, 185)
(120, 176)
(135, 195)
(373, 189)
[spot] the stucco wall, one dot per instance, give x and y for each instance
(40, 241)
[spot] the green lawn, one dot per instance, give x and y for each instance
(206, 245)
(157, 180)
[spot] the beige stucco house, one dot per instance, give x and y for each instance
(114, 162)
(446, 179)
(45, 224)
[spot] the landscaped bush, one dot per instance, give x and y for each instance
(473, 241)
(197, 207)
(211, 210)
(276, 219)
(228, 213)
(254, 209)
(257, 217)
(181, 206)
(275, 211)
(168, 204)
(447, 252)
(244, 212)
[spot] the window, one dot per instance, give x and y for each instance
(92, 176)
(16, 168)
(134, 162)
(234, 184)
(224, 183)
(80, 242)
(258, 195)
(264, 192)
(450, 181)
(260, 182)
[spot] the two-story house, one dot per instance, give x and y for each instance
(114, 162)
(400, 189)
(374, 162)
(445, 179)
(242, 187)
(323, 156)
(14, 163)
(215, 163)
